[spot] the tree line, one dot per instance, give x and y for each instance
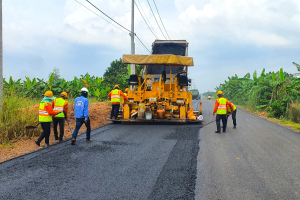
(278, 93)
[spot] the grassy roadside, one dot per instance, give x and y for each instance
(19, 112)
(283, 122)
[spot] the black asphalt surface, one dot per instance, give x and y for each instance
(258, 160)
(122, 162)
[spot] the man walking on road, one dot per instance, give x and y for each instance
(221, 110)
(115, 98)
(81, 111)
(60, 104)
(233, 113)
(45, 117)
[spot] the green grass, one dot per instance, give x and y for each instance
(17, 114)
(291, 124)
(6, 144)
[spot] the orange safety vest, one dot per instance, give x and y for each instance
(115, 96)
(222, 109)
(44, 116)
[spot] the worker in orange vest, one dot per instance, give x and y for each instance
(115, 98)
(45, 117)
(232, 112)
(60, 104)
(221, 110)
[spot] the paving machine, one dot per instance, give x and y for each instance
(159, 98)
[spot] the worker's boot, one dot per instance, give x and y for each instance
(234, 127)
(217, 131)
(37, 143)
(73, 141)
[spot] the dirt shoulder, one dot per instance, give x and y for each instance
(98, 112)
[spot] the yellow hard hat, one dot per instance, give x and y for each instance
(64, 93)
(127, 89)
(220, 92)
(116, 86)
(49, 94)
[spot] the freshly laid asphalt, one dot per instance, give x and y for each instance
(258, 160)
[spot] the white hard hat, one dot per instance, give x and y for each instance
(84, 90)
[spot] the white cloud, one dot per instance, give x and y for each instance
(259, 22)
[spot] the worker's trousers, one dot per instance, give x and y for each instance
(46, 126)
(114, 110)
(61, 122)
(79, 122)
(224, 122)
(233, 117)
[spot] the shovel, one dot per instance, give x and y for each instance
(71, 130)
(32, 127)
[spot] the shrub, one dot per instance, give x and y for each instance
(294, 112)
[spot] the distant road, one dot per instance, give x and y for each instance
(258, 160)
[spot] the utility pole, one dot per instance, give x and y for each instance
(132, 66)
(1, 60)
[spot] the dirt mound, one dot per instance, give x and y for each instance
(98, 111)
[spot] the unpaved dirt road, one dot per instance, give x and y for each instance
(258, 160)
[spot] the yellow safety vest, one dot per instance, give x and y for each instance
(234, 107)
(59, 105)
(44, 116)
(222, 109)
(115, 96)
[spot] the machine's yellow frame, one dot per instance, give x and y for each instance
(170, 96)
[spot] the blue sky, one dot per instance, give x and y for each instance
(226, 37)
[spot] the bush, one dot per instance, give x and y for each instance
(277, 109)
(294, 112)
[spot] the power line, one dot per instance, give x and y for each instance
(145, 20)
(141, 42)
(100, 16)
(161, 20)
(147, 17)
(108, 16)
(156, 19)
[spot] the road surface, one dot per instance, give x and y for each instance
(258, 160)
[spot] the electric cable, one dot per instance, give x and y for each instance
(101, 17)
(147, 17)
(108, 16)
(161, 20)
(142, 42)
(145, 20)
(156, 20)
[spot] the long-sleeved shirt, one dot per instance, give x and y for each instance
(121, 94)
(217, 105)
(65, 109)
(81, 107)
(49, 109)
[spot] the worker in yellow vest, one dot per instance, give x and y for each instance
(232, 112)
(126, 91)
(122, 99)
(115, 98)
(60, 104)
(45, 117)
(221, 110)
